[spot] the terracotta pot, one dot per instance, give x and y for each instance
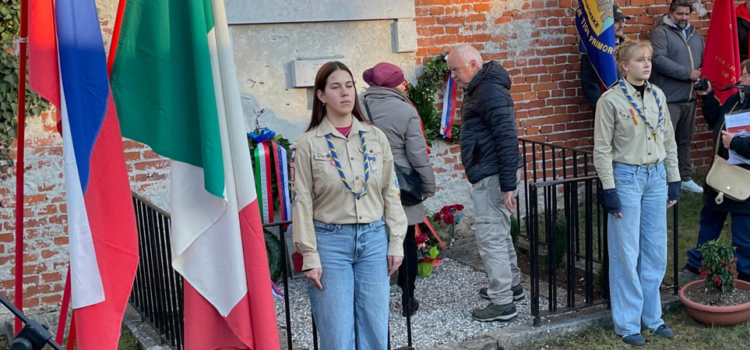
(716, 315)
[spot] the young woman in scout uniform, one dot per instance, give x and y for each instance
(345, 194)
(636, 158)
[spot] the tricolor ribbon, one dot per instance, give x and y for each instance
(267, 157)
(449, 108)
(268, 183)
(262, 182)
(282, 172)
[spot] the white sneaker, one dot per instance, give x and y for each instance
(691, 186)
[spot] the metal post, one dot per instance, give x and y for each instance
(20, 142)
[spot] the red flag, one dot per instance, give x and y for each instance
(721, 60)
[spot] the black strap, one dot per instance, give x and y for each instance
(367, 108)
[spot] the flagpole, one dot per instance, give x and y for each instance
(20, 141)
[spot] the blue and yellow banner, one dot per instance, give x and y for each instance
(595, 22)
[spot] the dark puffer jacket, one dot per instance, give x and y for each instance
(489, 135)
(713, 113)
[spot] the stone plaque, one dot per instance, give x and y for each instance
(304, 71)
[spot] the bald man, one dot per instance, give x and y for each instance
(489, 152)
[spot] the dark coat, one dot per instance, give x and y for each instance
(675, 56)
(713, 112)
(489, 135)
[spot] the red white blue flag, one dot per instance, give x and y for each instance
(68, 66)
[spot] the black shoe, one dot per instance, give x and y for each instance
(664, 331)
(495, 312)
(517, 293)
(634, 339)
(413, 309)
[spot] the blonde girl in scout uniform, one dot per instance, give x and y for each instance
(345, 195)
(636, 159)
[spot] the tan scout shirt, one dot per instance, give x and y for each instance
(618, 137)
(319, 194)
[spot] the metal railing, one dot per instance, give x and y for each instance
(543, 161)
(579, 208)
(157, 289)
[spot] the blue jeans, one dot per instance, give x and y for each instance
(354, 303)
(638, 247)
(712, 222)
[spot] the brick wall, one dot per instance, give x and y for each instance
(45, 211)
(536, 41)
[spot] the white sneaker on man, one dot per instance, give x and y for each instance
(691, 186)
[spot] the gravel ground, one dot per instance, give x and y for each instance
(446, 300)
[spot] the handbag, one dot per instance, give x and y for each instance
(730, 181)
(409, 182)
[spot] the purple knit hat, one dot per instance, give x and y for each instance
(384, 74)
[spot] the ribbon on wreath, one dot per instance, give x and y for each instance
(262, 160)
(264, 135)
(449, 108)
(282, 181)
(268, 156)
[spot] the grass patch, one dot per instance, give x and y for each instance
(127, 341)
(688, 335)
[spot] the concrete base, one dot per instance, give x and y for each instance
(551, 328)
(148, 338)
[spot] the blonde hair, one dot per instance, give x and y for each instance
(626, 50)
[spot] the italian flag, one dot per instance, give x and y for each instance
(175, 87)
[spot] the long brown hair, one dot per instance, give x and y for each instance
(319, 110)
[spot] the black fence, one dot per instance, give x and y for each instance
(157, 289)
(574, 245)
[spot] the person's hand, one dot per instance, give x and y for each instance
(618, 215)
(510, 201)
(726, 138)
(705, 92)
(313, 276)
(671, 204)
(695, 74)
(394, 262)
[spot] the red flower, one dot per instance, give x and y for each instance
(722, 262)
(448, 218)
(729, 268)
(421, 238)
(735, 259)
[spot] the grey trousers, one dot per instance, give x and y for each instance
(495, 245)
(683, 121)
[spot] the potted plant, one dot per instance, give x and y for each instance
(718, 299)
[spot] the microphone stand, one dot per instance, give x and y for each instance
(33, 336)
